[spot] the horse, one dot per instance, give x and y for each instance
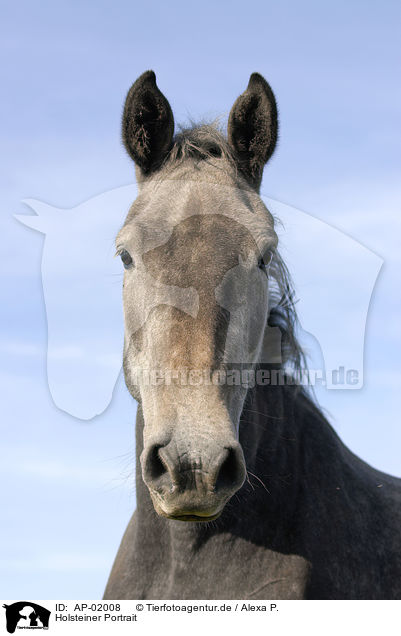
(244, 490)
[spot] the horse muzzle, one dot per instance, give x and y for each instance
(192, 483)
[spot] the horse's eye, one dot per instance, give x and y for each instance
(126, 259)
(264, 262)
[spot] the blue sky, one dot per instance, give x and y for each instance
(67, 487)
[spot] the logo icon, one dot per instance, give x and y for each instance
(26, 615)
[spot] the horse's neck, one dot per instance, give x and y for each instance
(271, 434)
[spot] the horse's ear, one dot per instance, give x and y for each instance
(148, 123)
(252, 128)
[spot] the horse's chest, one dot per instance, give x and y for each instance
(228, 569)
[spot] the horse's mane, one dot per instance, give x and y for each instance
(202, 141)
(283, 315)
(207, 142)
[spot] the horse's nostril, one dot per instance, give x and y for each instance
(232, 471)
(154, 466)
